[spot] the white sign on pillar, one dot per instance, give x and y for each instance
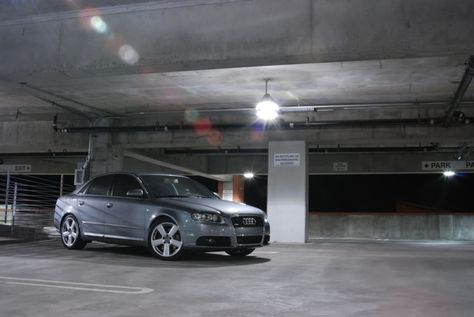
(287, 205)
(286, 159)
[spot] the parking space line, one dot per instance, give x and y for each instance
(105, 288)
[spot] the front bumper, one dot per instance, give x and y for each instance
(225, 236)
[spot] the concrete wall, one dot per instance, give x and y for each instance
(391, 226)
(38, 136)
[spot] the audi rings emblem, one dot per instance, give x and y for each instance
(249, 221)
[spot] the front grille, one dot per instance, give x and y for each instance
(249, 240)
(213, 242)
(247, 221)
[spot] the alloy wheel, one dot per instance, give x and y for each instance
(69, 231)
(166, 240)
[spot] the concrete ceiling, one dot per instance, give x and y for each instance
(152, 61)
(347, 83)
(381, 80)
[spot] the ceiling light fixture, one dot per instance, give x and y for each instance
(267, 109)
(449, 173)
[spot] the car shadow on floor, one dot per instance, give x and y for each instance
(189, 259)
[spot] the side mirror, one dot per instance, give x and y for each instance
(135, 193)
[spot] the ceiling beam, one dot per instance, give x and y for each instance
(154, 161)
(460, 91)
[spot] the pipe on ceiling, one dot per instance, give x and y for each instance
(421, 122)
(300, 108)
(460, 91)
(44, 154)
(311, 150)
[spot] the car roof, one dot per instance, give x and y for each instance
(159, 174)
(126, 173)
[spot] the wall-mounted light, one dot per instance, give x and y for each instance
(267, 109)
(449, 173)
(249, 175)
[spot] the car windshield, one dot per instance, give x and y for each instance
(175, 186)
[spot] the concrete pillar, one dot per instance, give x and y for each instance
(105, 157)
(220, 189)
(287, 204)
(238, 188)
(227, 191)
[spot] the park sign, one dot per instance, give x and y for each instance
(447, 165)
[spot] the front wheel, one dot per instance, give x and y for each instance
(165, 241)
(240, 252)
(70, 233)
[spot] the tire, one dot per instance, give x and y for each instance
(240, 252)
(165, 240)
(71, 234)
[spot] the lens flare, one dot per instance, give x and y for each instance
(128, 54)
(114, 42)
(257, 132)
(86, 15)
(202, 126)
(191, 115)
(214, 137)
(98, 24)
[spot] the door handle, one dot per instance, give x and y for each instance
(80, 202)
(109, 205)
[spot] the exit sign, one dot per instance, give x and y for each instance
(15, 168)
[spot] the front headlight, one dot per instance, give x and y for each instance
(206, 217)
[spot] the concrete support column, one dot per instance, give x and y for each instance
(287, 204)
(232, 191)
(220, 189)
(105, 157)
(227, 191)
(238, 188)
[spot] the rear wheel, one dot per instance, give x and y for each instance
(240, 252)
(70, 233)
(165, 240)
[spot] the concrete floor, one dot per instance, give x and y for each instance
(324, 278)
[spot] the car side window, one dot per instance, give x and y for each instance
(124, 183)
(100, 186)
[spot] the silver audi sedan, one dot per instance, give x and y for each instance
(169, 214)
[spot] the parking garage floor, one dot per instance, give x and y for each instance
(322, 278)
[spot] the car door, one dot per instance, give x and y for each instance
(125, 217)
(92, 204)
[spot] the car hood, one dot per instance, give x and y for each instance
(207, 204)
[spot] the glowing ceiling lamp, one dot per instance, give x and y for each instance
(267, 109)
(249, 175)
(449, 173)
